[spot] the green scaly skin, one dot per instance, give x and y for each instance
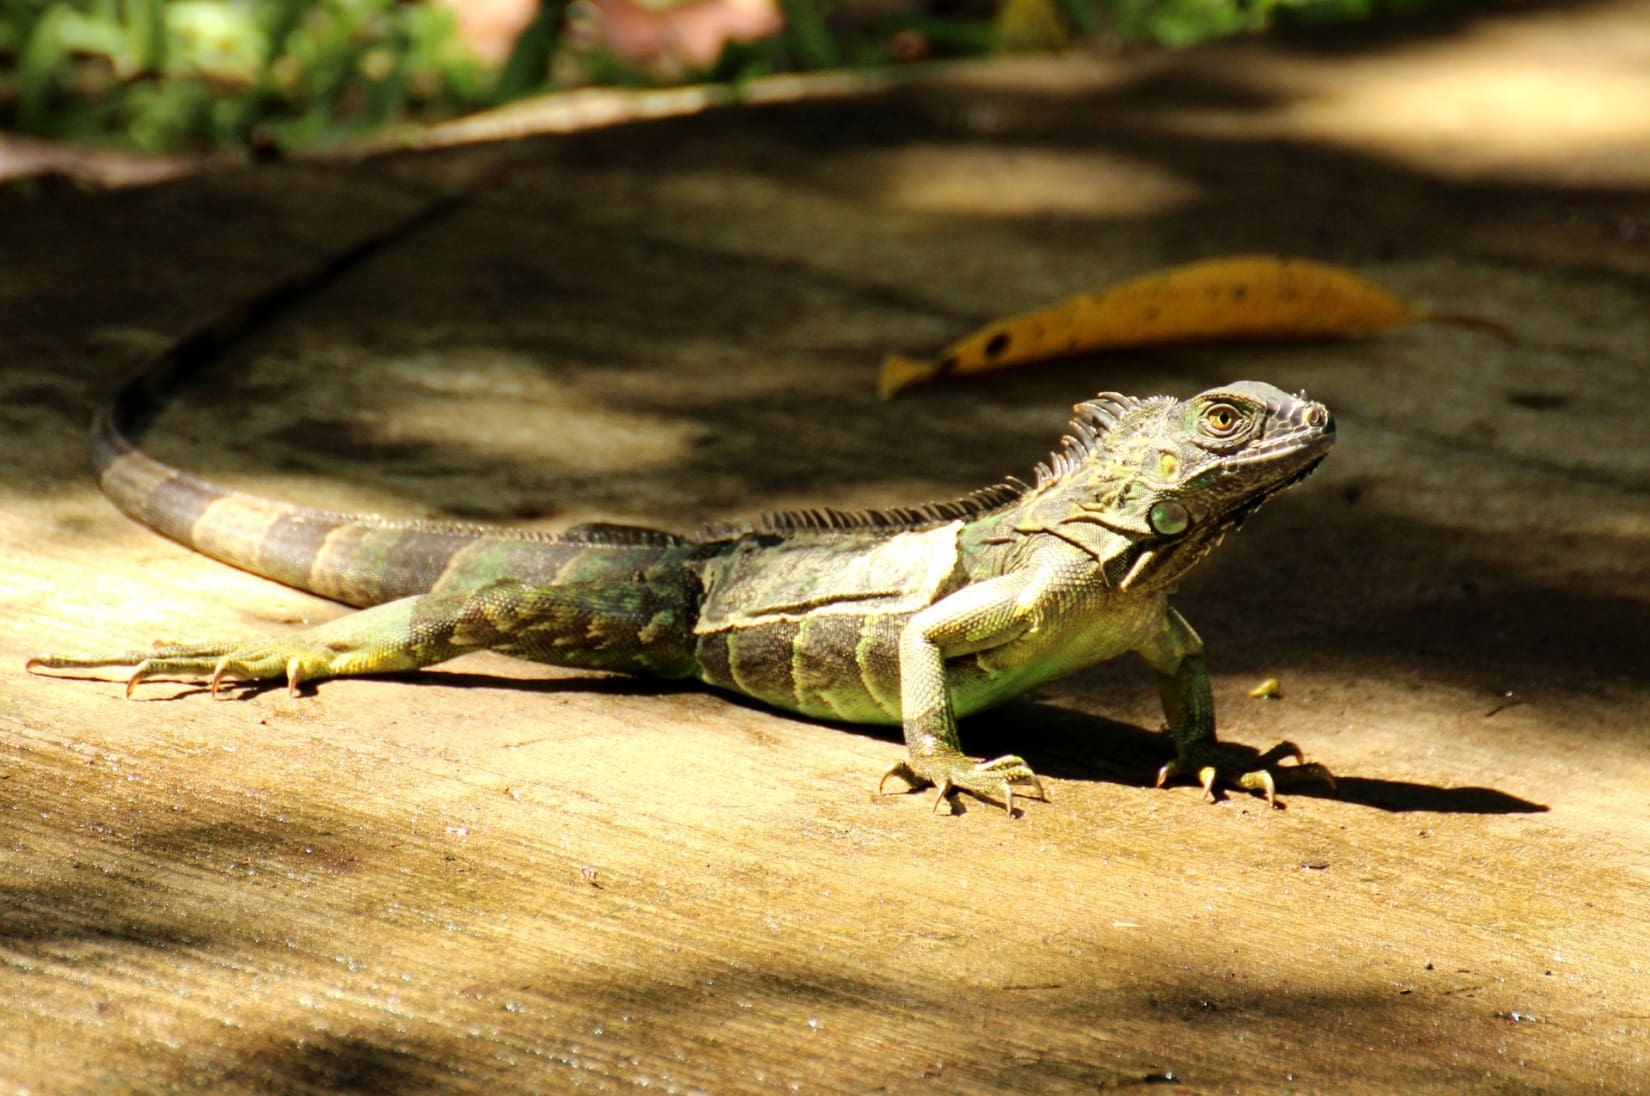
(915, 616)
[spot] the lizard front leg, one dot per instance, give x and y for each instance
(1176, 654)
(628, 627)
(974, 618)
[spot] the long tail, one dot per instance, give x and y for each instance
(358, 559)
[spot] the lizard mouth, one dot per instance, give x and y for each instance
(1241, 514)
(1309, 436)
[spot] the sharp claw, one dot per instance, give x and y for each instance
(1270, 772)
(992, 781)
(217, 675)
(132, 682)
(292, 677)
(905, 773)
(1263, 778)
(1206, 776)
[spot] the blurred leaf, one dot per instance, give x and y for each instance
(1180, 23)
(1031, 24)
(962, 36)
(38, 64)
(528, 65)
(221, 41)
(1081, 16)
(146, 33)
(163, 73)
(807, 35)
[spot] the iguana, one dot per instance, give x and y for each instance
(912, 615)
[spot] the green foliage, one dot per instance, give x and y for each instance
(528, 65)
(1185, 22)
(1177, 23)
(808, 36)
(165, 74)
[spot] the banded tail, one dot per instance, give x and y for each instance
(358, 559)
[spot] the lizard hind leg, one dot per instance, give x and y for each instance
(632, 627)
(396, 636)
(637, 627)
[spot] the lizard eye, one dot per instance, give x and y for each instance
(1221, 420)
(1168, 517)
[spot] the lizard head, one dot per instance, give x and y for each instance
(1151, 486)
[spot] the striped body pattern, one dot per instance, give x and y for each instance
(836, 666)
(912, 616)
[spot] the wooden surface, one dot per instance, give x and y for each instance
(500, 878)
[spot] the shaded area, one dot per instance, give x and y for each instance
(1060, 743)
(1072, 745)
(647, 1000)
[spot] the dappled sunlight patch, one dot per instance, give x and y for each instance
(571, 434)
(1448, 113)
(996, 181)
(514, 411)
(1561, 96)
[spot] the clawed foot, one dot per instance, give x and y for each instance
(274, 658)
(990, 780)
(1264, 774)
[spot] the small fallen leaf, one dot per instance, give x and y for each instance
(1241, 297)
(1269, 689)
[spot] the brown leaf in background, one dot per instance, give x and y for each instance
(1239, 297)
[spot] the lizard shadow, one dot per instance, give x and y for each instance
(1068, 744)
(616, 685)
(1058, 742)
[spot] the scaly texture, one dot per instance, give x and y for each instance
(915, 615)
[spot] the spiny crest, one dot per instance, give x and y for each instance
(609, 534)
(892, 519)
(591, 534)
(293, 512)
(1095, 419)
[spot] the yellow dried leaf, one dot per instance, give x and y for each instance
(1270, 689)
(1242, 297)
